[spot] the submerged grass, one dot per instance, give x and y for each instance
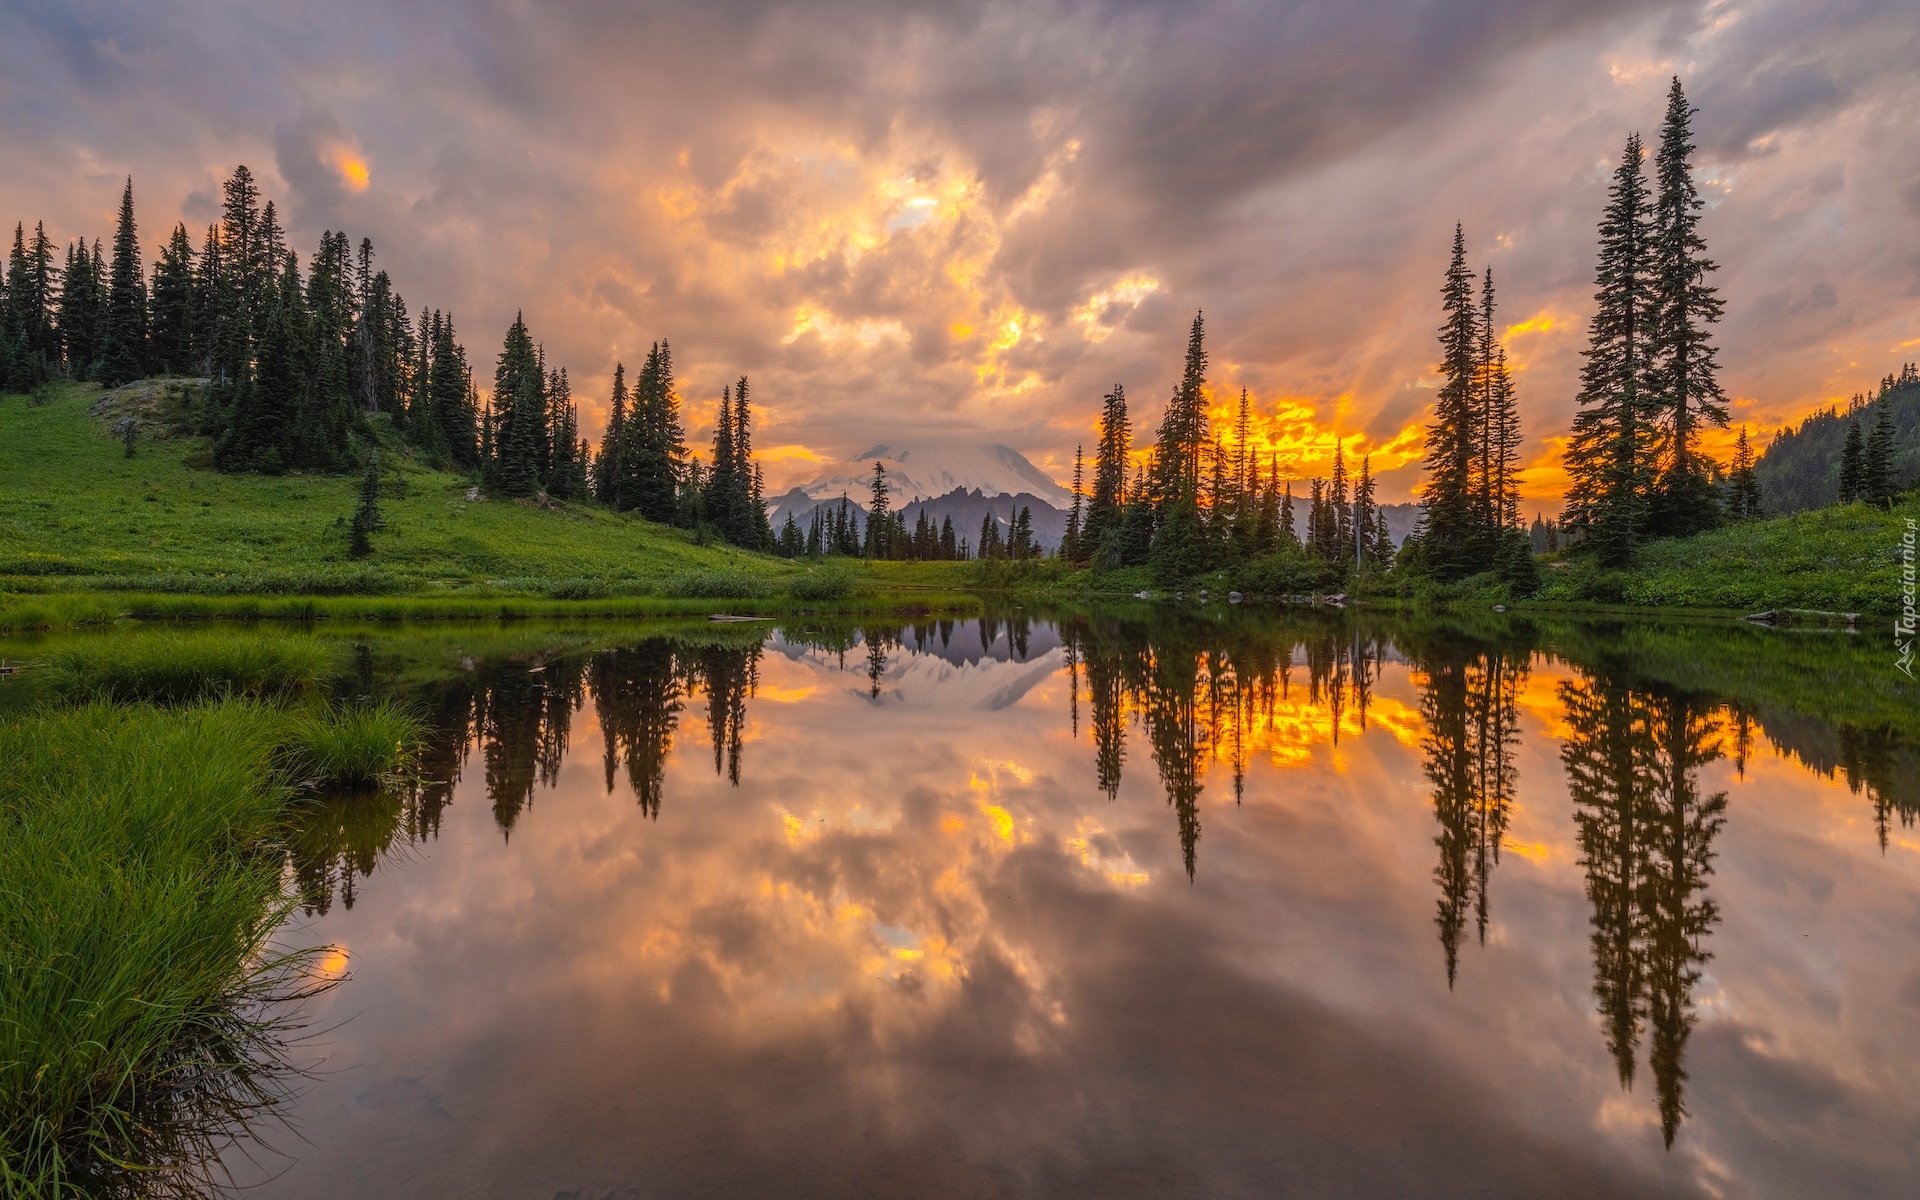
(171, 666)
(137, 898)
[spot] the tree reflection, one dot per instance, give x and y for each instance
(1470, 703)
(1206, 692)
(1646, 842)
(518, 715)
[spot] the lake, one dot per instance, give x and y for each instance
(1141, 902)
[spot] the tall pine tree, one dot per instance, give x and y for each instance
(123, 332)
(1449, 528)
(1609, 458)
(1684, 365)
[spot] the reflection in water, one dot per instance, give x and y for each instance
(1470, 703)
(1250, 698)
(1646, 840)
(1210, 692)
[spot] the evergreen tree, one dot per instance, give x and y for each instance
(879, 523)
(172, 323)
(455, 416)
(652, 450)
(1364, 510)
(28, 329)
(1109, 479)
(1609, 457)
(366, 517)
(1853, 461)
(214, 315)
(989, 537)
(1448, 526)
(1497, 466)
(248, 260)
(606, 472)
(1683, 363)
(568, 480)
(324, 414)
(1744, 494)
(82, 302)
(1339, 515)
(1876, 467)
(123, 331)
(519, 408)
(259, 430)
(949, 548)
(1179, 550)
(1070, 543)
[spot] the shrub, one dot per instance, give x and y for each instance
(823, 583)
(1285, 573)
(578, 589)
(717, 583)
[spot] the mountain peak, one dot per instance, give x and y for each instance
(926, 468)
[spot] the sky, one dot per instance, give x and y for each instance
(962, 220)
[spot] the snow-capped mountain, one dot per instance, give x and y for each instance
(966, 509)
(924, 468)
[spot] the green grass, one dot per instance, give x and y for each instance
(171, 666)
(136, 908)
(24, 614)
(1841, 559)
(351, 746)
(72, 506)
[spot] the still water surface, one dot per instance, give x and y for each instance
(1099, 906)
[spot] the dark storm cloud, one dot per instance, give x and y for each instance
(976, 216)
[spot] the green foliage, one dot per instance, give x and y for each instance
(717, 584)
(1841, 559)
(366, 515)
(830, 582)
(1610, 455)
(351, 746)
(1516, 567)
(134, 938)
(174, 666)
(1286, 572)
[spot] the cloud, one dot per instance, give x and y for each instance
(943, 216)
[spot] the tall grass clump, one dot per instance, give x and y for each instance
(171, 667)
(65, 610)
(823, 583)
(352, 746)
(137, 897)
(717, 583)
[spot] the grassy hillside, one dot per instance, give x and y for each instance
(72, 504)
(1844, 558)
